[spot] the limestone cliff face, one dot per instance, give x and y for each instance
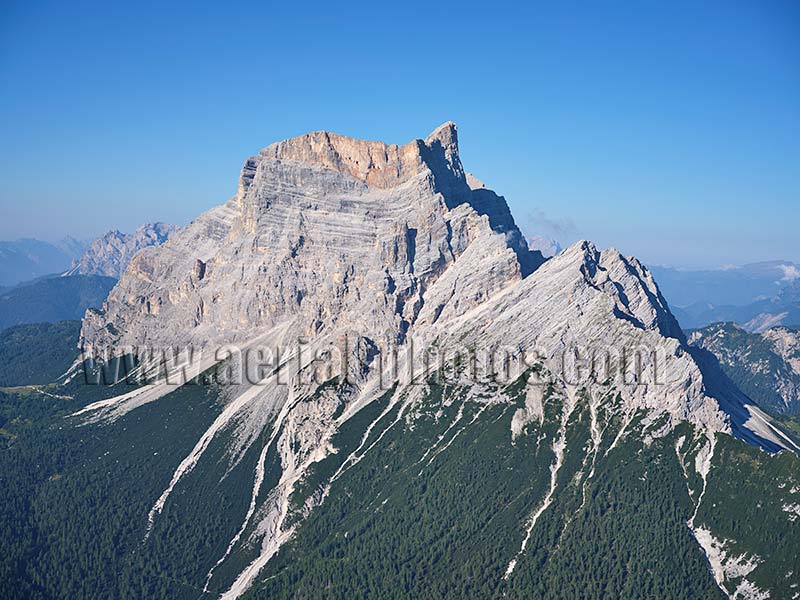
(325, 231)
(110, 254)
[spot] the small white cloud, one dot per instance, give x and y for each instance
(790, 272)
(539, 221)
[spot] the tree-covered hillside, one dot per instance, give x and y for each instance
(53, 299)
(37, 353)
(765, 366)
(433, 502)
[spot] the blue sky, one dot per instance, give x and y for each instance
(670, 130)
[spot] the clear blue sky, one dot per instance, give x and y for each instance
(670, 130)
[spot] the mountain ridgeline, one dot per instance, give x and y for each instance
(530, 462)
(27, 259)
(756, 296)
(110, 254)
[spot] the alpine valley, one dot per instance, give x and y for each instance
(437, 411)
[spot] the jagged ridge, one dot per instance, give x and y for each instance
(110, 254)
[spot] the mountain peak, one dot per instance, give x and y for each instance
(332, 237)
(446, 135)
(110, 254)
(386, 260)
(376, 164)
(324, 228)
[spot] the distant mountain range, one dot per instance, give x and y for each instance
(547, 246)
(756, 317)
(726, 286)
(110, 254)
(51, 299)
(69, 277)
(756, 296)
(765, 366)
(26, 259)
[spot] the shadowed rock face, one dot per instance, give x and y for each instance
(764, 365)
(328, 232)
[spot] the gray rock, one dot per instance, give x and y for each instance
(110, 254)
(764, 365)
(332, 238)
(547, 246)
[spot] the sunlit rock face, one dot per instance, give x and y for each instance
(325, 231)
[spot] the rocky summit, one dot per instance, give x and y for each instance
(329, 237)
